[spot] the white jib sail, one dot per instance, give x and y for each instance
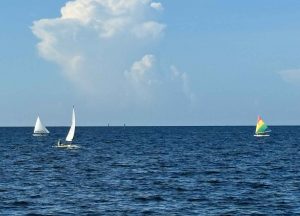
(71, 133)
(39, 127)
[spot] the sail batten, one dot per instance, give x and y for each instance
(71, 133)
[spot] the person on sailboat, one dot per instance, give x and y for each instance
(59, 142)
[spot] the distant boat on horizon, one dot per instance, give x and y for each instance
(70, 136)
(39, 128)
(261, 128)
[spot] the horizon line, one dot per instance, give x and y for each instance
(275, 125)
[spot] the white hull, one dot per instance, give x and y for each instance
(68, 146)
(40, 134)
(261, 135)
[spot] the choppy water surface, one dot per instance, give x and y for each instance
(151, 171)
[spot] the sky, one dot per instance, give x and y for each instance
(143, 62)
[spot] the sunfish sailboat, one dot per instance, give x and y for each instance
(70, 136)
(39, 128)
(261, 128)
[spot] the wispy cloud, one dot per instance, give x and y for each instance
(185, 83)
(140, 71)
(290, 76)
(157, 6)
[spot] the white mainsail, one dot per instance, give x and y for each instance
(71, 133)
(39, 128)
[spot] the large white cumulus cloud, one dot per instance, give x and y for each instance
(103, 47)
(95, 32)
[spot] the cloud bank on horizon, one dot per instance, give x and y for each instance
(105, 47)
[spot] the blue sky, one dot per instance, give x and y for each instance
(175, 63)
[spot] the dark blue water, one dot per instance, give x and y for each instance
(151, 171)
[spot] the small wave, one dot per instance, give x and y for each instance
(156, 198)
(3, 190)
(37, 170)
(214, 181)
(187, 173)
(35, 196)
(148, 212)
(211, 172)
(258, 185)
(90, 170)
(197, 199)
(33, 214)
(121, 165)
(21, 203)
(180, 189)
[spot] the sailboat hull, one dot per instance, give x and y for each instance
(40, 134)
(68, 146)
(261, 135)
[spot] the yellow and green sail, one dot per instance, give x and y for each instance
(261, 127)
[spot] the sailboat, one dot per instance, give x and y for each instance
(261, 128)
(70, 136)
(39, 128)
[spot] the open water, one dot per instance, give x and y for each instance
(151, 171)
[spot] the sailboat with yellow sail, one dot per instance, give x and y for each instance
(262, 129)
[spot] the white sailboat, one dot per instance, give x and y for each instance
(70, 136)
(39, 128)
